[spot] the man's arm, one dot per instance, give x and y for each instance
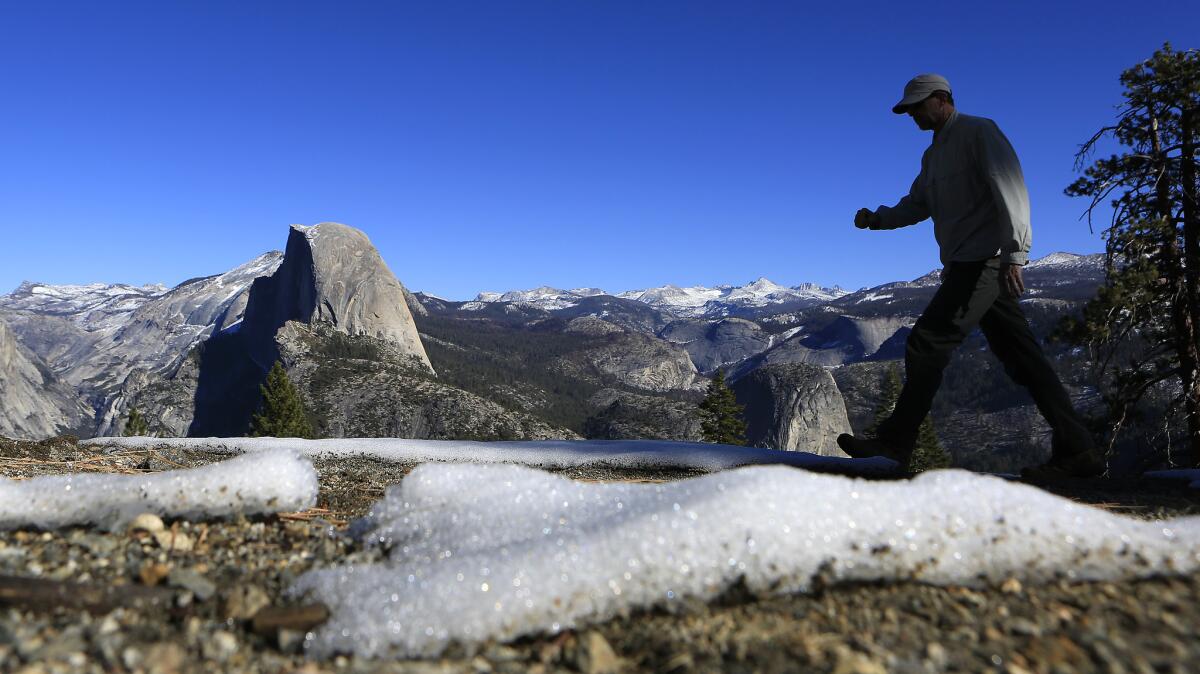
(1001, 170)
(910, 210)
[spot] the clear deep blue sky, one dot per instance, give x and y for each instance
(505, 145)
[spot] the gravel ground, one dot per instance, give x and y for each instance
(215, 576)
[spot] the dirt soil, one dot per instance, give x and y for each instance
(206, 591)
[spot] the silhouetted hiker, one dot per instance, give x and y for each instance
(972, 186)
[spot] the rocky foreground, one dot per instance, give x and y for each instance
(181, 596)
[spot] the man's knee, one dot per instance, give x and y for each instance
(925, 348)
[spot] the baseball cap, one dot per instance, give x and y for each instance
(919, 88)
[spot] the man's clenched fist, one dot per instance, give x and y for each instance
(865, 218)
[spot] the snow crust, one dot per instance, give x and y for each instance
(264, 482)
(537, 453)
(495, 552)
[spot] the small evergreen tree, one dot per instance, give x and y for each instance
(888, 396)
(135, 424)
(281, 414)
(928, 453)
(720, 414)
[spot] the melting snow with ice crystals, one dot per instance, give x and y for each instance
(264, 482)
(480, 552)
(540, 453)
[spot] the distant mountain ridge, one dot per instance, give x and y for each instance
(113, 344)
(729, 300)
(692, 302)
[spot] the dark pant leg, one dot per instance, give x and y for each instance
(967, 292)
(1012, 341)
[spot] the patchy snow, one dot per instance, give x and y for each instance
(1068, 261)
(539, 453)
(496, 552)
(874, 297)
(262, 482)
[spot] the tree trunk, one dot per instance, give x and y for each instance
(1179, 272)
(1191, 243)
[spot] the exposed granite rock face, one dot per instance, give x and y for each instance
(715, 344)
(845, 339)
(166, 400)
(33, 403)
(111, 341)
(621, 415)
(794, 407)
(331, 274)
(362, 386)
(591, 325)
(647, 363)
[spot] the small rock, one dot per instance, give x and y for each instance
(244, 601)
(174, 540)
(936, 654)
(290, 641)
(852, 662)
(1011, 586)
(152, 573)
(164, 658)
(596, 656)
(221, 646)
(189, 580)
(148, 522)
(96, 544)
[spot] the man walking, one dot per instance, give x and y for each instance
(972, 186)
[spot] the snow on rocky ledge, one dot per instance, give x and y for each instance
(496, 552)
(558, 454)
(278, 480)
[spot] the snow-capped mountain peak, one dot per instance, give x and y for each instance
(680, 301)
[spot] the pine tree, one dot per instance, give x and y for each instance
(281, 414)
(135, 424)
(928, 453)
(720, 414)
(888, 395)
(1144, 323)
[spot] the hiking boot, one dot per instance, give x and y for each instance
(865, 448)
(1075, 466)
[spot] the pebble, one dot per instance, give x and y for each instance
(221, 646)
(174, 541)
(243, 601)
(596, 656)
(148, 522)
(152, 573)
(195, 583)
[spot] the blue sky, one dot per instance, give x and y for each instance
(506, 145)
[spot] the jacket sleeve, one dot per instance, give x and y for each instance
(910, 210)
(1001, 171)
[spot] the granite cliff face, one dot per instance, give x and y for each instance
(33, 404)
(645, 363)
(793, 407)
(362, 386)
(332, 274)
(717, 344)
(110, 342)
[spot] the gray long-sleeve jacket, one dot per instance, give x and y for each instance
(972, 186)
